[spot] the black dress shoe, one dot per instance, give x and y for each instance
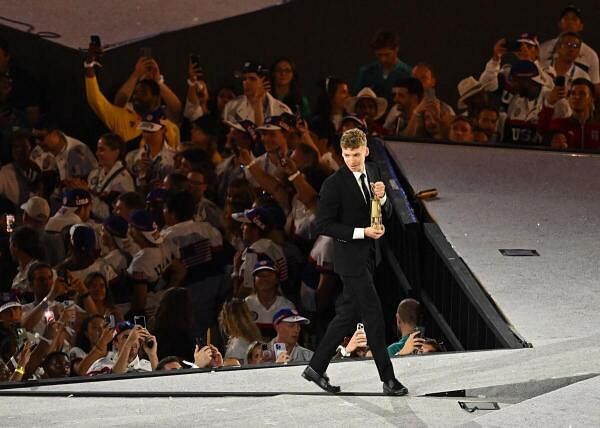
(393, 387)
(321, 380)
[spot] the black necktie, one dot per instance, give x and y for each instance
(365, 188)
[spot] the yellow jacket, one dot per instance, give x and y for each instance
(120, 120)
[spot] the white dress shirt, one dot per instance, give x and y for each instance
(359, 232)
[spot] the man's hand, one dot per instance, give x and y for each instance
(373, 233)
(144, 165)
(245, 157)
(142, 67)
(288, 165)
(105, 338)
(358, 340)
(559, 141)
(58, 289)
(217, 358)
(412, 344)
(152, 70)
(379, 189)
(147, 340)
(557, 93)
(202, 357)
(77, 285)
(499, 49)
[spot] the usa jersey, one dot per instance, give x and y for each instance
(149, 263)
(193, 242)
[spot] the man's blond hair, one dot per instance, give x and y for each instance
(353, 139)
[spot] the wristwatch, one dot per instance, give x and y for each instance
(343, 351)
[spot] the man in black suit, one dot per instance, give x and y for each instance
(344, 213)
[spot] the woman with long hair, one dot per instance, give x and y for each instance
(173, 324)
(237, 324)
(330, 108)
(91, 343)
(285, 86)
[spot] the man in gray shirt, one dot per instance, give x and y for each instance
(288, 324)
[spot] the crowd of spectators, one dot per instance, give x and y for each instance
(187, 238)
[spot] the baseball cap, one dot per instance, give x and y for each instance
(75, 198)
(9, 300)
(144, 221)
(525, 68)
(154, 120)
(572, 8)
(289, 315)
(116, 226)
(37, 208)
(252, 67)
(273, 123)
(264, 218)
(529, 38)
(360, 123)
(122, 326)
(264, 263)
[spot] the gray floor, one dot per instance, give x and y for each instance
(119, 22)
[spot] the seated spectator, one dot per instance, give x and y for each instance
(571, 20)
(256, 103)
(256, 230)
(36, 213)
(173, 324)
(56, 365)
(412, 340)
(97, 286)
(355, 346)
(370, 107)
(20, 178)
(239, 197)
(76, 209)
(111, 178)
(255, 353)
(169, 363)
(408, 93)
(266, 300)
(429, 119)
(285, 86)
(197, 244)
(461, 130)
(91, 343)
(146, 69)
(152, 162)
(237, 324)
(564, 63)
(472, 96)
(149, 262)
(206, 210)
(330, 109)
(380, 75)
(486, 125)
(125, 120)
(127, 203)
(117, 246)
(26, 250)
(288, 325)
(127, 342)
(579, 131)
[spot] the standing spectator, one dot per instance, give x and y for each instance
(124, 121)
(369, 106)
(265, 300)
(128, 339)
(571, 20)
(288, 325)
(285, 86)
(203, 135)
(424, 72)
(152, 162)
(380, 75)
(76, 208)
(206, 210)
(20, 178)
(173, 324)
(408, 93)
(564, 62)
(127, 203)
(329, 110)
(25, 249)
(111, 178)
(579, 131)
(256, 103)
(237, 323)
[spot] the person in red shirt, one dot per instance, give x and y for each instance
(577, 132)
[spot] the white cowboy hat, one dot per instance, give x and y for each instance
(367, 93)
(467, 88)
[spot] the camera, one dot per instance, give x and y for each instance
(279, 349)
(360, 326)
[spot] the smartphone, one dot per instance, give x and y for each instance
(146, 151)
(145, 52)
(429, 93)
(471, 406)
(49, 316)
(10, 223)
(360, 326)
(95, 41)
(110, 321)
(63, 274)
(139, 320)
(559, 81)
(279, 349)
(518, 252)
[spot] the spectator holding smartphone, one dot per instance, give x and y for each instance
(256, 103)
(127, 342)
(288, 324)
(91, 343)
(563, 67)
(412, 340)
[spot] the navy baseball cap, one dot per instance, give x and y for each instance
(274, 123)
(289, 315)
(528, 69)
(253, 67)
(116, 226)
(83, 237)
(75, 198)
(122, 326)
(529, 38)
(9, 300)
(264, 263)
(153, 120)
(574, 9)
(264, 218)
(144, 221)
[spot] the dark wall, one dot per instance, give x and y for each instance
(325, 37)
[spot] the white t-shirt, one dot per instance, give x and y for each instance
(99, 265)
(263, 317)
(250, 256)
(104, 365)
(149, 263)
(193, 242)
(98, 181)
(162, 164)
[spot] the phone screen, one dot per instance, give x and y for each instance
(10, 223)
(279, 349)
(139, 320)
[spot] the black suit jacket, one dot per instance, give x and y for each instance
(342, 208)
